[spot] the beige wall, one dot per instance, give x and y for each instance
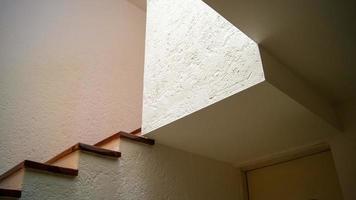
(143, 172)
(344, 150)
(69, 71)
(311, 177)
(291, 84)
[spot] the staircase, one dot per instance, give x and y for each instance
(36, 180)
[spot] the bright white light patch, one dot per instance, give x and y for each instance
(194, 58)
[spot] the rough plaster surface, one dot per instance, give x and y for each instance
(194, 58)
(144, 172)
(70, 71)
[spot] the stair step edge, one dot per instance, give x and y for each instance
(50, 168)
(10, 193)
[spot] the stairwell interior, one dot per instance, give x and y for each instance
(78, 79)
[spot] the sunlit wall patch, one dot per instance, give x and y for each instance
(194, 58)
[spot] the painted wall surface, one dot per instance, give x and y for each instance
(194, 58)
(70, 71)
(143, 172)
(343, 147)
(291, 84)
(310, 177)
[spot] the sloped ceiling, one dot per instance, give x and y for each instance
(312, 38)
(316, 39)
(246, 127)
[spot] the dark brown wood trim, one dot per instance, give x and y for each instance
(88, 148)
(79, 146)
(10, 193)
(11, 171)
(115, 136)
(132, 136)
(136, 138)
(137, 131)
(50, 168)
(39, 166)
(98, 150)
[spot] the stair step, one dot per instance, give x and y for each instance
(50, 168)
(136, 132)
(136, 138)
(10, 193)
(111, 142)
(39, 166)
(13, 178)
(98, 150)
(134, 135)
(70, 156)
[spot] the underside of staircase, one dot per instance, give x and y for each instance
(65, 163)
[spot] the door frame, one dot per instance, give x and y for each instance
(279, 158)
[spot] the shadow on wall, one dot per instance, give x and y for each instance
(160, 172)
(143, 172)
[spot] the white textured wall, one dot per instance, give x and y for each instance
(194, 57)
(70, 71)
(144, 172)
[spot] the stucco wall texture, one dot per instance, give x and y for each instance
(194, 57)
(70, 71)
(143, 172)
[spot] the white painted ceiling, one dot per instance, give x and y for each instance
(316, 39)
(257, 122)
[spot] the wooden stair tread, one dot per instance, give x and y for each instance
(50, 168)
(4, 192)
(10, 193)
(136, 138)
(132, 136)
(85, 147)
(39, 166)
(98, 150)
